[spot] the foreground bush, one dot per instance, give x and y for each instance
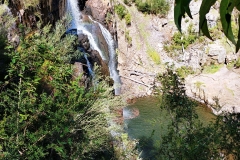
(44, 113)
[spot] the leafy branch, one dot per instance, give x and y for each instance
(226, 8)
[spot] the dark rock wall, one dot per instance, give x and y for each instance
(81, 4)
(48, 11)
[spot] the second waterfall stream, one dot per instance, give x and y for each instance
(77, 23)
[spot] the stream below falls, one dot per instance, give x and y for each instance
(144, 119)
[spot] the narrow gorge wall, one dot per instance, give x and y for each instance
(47, 11)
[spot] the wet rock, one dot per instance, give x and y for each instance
(78, 71)
(96, 58)
(83, 41)
(96, 31)
(81, 4)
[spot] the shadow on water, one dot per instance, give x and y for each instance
(151, 124)
(147, 148)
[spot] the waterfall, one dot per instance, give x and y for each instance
(77, 22)
(89, 65)
(72, 7)
(112, 64)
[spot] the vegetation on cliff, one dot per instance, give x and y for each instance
(160, 7)
(44, 113)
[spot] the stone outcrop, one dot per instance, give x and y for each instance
(98, 9)
(83, 41)
(222, 87)
(78, 71)
(94, 56)
(217, 52)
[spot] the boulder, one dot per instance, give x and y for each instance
(78, 71)
(212, 19)
(96, 58)
(98, 9)
(83, 41)
(217, 52)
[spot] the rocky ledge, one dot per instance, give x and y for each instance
(220, 91)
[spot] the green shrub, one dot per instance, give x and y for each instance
(213, 68)
(184, 71)
(128, 2)
(160, 7)
(143, 7)
(121, 11)
(153, 7)
(215, 33)
(154, 55)
(30, 3)
(128, 38)
(128, 19)
(181, 39)
(108, 17)
(44, 112)
(237, 64)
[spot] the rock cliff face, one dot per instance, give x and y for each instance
(149, 33)
(47, 11)
(98, 9)
(50, 11)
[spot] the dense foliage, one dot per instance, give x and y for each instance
(44, 113)
(187, 137)
(180, 41)
(122, 12)
(160, 7)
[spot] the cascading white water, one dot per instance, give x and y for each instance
(112, 64)
(89, 65)
(77, 23)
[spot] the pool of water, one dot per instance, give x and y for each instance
(151, 123)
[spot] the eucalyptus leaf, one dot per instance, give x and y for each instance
(181, 7)
(204, 9)
(238, 42)
(178, 14)
(238, 5)
(226, 8)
